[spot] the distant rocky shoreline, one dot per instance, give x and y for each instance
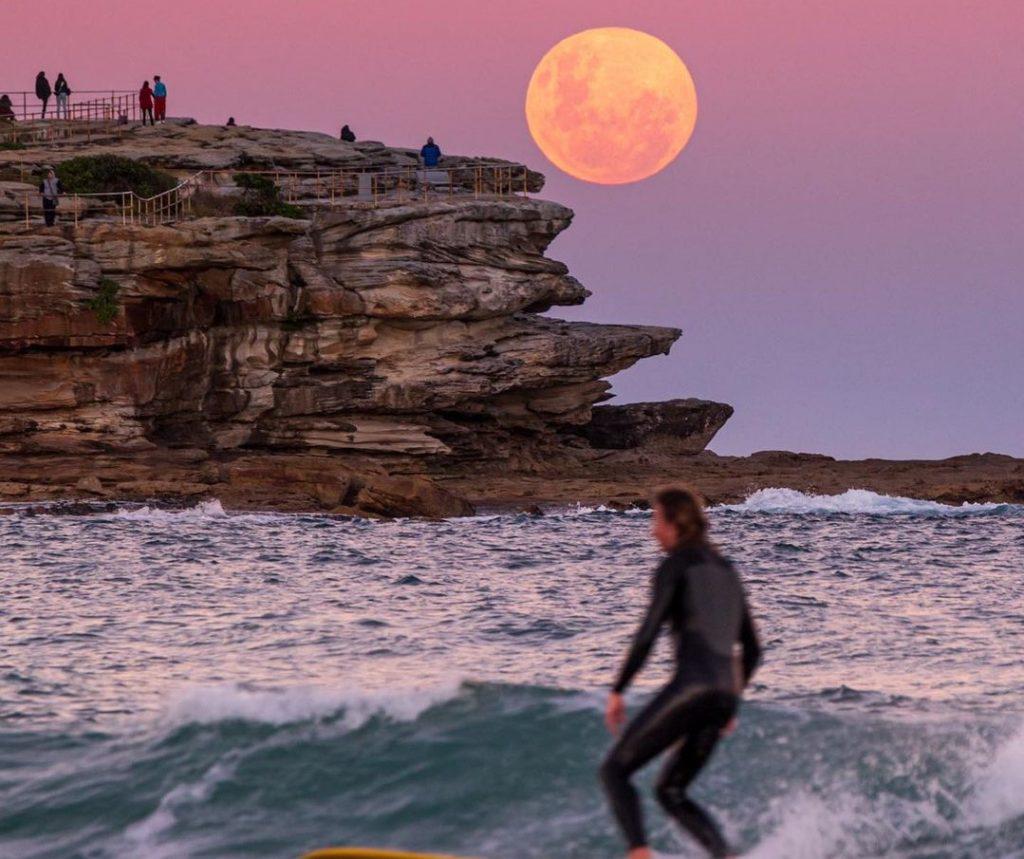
(384, 358)
(289, 484)
(623, 483)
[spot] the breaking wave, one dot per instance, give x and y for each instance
(500, 770)
(857, 501)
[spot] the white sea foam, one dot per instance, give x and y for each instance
(841, 821)
(230, 701)
(852, 501)
(808, 829)
(203, 512)
(587, 510)
(144, 836)
(998, 793)
(212, 509)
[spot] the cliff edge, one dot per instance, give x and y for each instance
(350, 357)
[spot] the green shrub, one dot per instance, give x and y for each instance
(103, 174)
(261, 197)
(105, 305)
(8, 145)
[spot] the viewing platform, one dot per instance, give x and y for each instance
(82, 106)
(308, 170)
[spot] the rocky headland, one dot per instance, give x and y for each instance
(384, 357)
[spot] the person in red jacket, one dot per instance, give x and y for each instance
(146, 103)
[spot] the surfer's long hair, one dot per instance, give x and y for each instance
(684, 509)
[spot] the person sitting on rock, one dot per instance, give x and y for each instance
(6, 109)
(51, 189)
(43, 91)
(146, 103)
(347, 134)
(430, 153)
(231, 122)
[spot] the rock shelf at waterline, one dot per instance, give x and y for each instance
(371, 344)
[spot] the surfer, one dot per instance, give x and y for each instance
(697, 592)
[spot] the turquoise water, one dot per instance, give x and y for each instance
(198, 684)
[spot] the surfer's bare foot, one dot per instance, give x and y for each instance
(640, 853)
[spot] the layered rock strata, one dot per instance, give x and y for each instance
(344, 361)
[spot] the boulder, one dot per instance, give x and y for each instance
(682, 426)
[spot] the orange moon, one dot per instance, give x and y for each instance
(611, 105)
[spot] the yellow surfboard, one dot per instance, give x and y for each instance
(370, 853)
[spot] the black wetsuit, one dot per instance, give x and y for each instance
(698, 593)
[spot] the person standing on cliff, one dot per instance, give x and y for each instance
(146, 103)
(43, 91)
(430, 153)
(698, 594)
(159, 99)
(50, 189)
(62, 91)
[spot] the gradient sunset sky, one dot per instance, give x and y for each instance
(842, 241)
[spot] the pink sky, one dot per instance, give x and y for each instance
(842, 241)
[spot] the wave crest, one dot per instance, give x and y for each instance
(863, 501)
(234, 702)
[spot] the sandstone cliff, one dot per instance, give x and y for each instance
(342, 360)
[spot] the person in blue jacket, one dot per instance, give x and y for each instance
(430, 153)
(159, 99)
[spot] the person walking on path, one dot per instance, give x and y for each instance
(62, 91)
(698, 594)
(43, 91)
(430, 153)
(146, 103)
(50, 189)
(159, 99)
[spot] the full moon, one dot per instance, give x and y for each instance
(611, 105)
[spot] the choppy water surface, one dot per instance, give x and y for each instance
(197, 684)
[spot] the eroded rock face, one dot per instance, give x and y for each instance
(385, 342)
(681, 426)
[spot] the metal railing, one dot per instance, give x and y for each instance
(315, 189)
(102, 105)
(396, 185)
(59, 131)
(167, 207)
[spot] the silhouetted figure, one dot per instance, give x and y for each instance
(347, 134)
(146, 103)
(430, 153)
(62, 91)
(159, 99)
(50, 189)
(6, 109)
(231, 122)
(43, 91)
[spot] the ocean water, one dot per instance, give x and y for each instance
(196, 684)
